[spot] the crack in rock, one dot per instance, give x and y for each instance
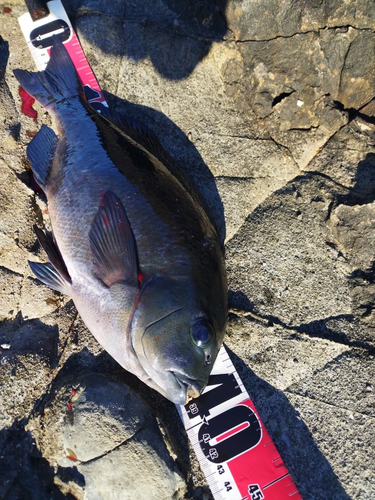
(281, 97)
(297, 33)
(127, 440)
(309, 330)
(352, 412)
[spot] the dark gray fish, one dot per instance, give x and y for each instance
(133, 244)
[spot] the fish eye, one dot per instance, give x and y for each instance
(202, 334)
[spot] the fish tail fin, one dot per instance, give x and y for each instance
(58, 81)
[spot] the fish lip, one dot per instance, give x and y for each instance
(191, 387)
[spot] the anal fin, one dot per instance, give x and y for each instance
(53, 253)
(48, 275)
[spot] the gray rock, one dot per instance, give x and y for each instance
(279, 356)
(140, 468)
(280, 256)
(26, 366)
(342, 436)
(37, 300)
(102, 415)
(352, 380)
(100, 428)
(245, 96)
(348, 159)
(8, 112)
(16, 206)
(297, 102)
(10, 291)
(286, 18)
(13, 257)
(353, 232)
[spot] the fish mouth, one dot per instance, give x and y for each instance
(190, 388)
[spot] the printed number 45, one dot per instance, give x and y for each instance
(255, 492)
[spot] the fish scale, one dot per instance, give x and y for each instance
(235, 451)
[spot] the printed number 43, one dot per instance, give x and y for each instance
(255, 492)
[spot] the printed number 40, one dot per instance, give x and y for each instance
(255, 492)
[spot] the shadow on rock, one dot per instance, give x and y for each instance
(30, 337)
(239, 300)
(24, 473)
(363, 191)
(174, 34)
(309, 469)
(4, 56)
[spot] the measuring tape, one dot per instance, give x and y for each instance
(233, 447)
(38, 34)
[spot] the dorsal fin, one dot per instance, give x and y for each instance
(144, 137)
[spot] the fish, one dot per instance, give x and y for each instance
(132, 242)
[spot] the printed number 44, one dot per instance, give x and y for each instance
(255, 492)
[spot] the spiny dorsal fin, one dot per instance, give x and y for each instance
(144, 137)
(113, 244)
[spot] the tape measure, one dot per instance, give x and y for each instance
(234, 449)
(38, 34)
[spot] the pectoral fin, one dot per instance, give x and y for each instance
(112, 243)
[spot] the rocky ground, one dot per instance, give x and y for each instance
(268, 106)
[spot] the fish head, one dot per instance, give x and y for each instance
(174, 341)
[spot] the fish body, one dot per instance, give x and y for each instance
(133, 243)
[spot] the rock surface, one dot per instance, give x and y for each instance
(267, 105)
